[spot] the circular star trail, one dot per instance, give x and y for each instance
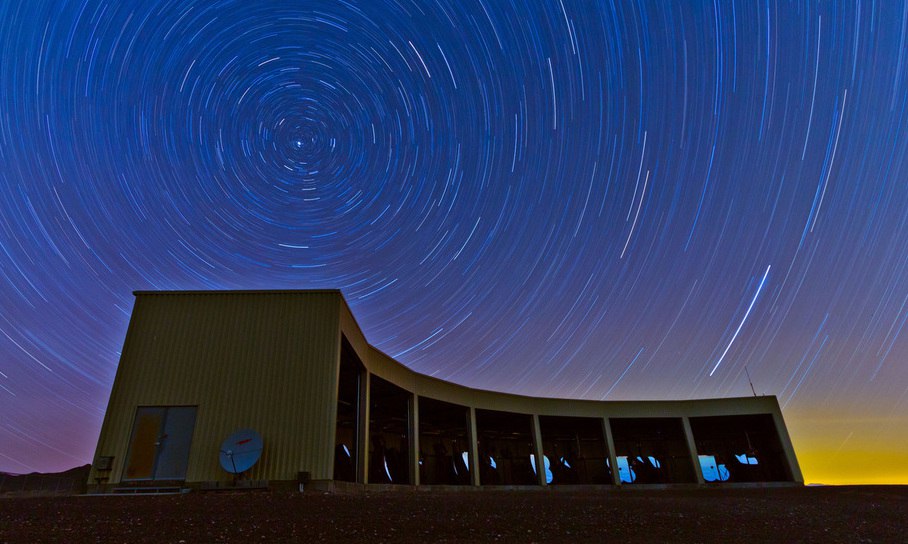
(606, 200)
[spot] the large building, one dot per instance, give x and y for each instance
(335, 412)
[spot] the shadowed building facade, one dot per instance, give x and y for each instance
(335, 412)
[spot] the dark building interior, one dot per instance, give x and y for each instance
(389, 422)
(505, 447)
(346, 452)
(444, 455)
(652, 450)
(742, 448)
(575, 450)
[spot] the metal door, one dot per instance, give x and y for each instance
(159, 447)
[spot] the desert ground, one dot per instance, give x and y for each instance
(804, 514)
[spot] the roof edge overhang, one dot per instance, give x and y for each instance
(769, 401)
(238, 292)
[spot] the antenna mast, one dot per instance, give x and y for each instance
(749, 381)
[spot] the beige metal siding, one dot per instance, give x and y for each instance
(269, 360)
(265, 360)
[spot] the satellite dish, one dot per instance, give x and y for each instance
(240, 451)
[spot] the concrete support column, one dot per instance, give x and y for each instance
(791, 460)
(692, 448)
(474, 449)
(362, 445)
(413, 430)
(612, 455)
(537, 447)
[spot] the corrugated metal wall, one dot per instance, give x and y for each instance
(268, 360)
(264, 360)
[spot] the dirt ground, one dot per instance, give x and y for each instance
(809, 514)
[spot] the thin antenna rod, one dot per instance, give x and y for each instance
(749, 381)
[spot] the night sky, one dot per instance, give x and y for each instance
(589, 199)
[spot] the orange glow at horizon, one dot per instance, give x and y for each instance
(862, 456)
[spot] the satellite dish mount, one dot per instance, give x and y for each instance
(240, 451)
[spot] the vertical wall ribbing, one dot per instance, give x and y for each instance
(261, 360)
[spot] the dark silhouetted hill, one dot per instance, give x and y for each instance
(38, 484)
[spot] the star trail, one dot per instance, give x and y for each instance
(617, 199)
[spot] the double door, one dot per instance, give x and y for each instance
(159, 445)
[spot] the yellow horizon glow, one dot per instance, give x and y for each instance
(854, 467)
(850, 450)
